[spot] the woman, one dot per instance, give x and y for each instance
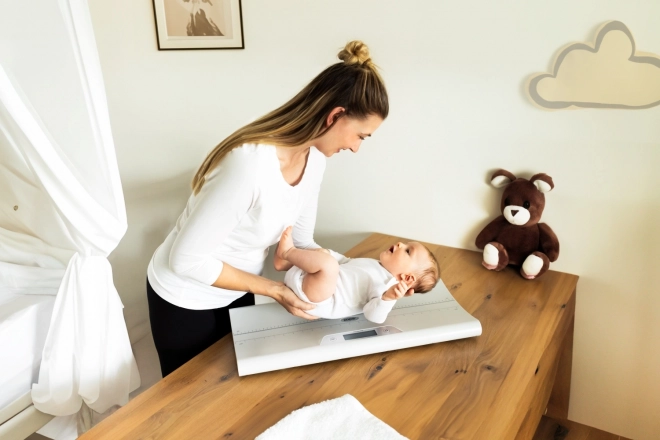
(259, 180)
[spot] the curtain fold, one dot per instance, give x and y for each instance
(61, 206)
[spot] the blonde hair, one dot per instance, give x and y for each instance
(428, 278)
(354, 84)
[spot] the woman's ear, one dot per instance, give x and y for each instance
(335, 114)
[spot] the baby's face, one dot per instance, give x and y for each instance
(405, 258)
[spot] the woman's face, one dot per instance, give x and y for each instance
(346, 134)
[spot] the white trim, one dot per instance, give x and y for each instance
(26, 422)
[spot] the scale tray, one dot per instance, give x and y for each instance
(267, 337)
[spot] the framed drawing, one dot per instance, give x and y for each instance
(199, 24)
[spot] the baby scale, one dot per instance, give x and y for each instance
(267, 337)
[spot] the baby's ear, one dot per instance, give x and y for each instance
(408, 278)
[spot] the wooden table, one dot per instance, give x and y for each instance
(492, 387)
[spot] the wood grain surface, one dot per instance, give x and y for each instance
(551, 429)
(495, 386)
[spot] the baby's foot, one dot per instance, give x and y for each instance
(286, 244)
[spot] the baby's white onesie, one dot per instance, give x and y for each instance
(360, 286)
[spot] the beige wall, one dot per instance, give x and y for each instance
(455, 72)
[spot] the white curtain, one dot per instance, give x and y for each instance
(61, 203)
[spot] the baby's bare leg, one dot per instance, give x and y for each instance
(322, 269)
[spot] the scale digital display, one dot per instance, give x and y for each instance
(360, 335)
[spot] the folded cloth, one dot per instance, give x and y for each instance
(334, 419)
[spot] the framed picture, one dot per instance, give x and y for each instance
(199, 24)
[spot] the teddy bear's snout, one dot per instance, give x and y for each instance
(516, 215)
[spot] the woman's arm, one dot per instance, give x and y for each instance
(218, 208)
(235, 279)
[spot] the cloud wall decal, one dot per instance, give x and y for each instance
(609, 74)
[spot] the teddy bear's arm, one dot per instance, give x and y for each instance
(548, 241)
(489, 233)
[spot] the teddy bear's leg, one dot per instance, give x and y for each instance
(535, 265)
(495, 256)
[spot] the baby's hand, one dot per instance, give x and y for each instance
(397, 291)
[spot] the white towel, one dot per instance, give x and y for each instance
(334, 419)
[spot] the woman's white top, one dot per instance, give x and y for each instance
(241, 210)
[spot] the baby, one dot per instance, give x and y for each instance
(341, 286)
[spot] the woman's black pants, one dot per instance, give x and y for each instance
(181, 334)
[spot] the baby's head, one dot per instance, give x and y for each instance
(413, 263)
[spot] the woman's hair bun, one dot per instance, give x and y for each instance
(355, 52)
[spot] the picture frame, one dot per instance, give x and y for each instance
(199, 24)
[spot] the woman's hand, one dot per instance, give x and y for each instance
(235, 279)
(291, 302)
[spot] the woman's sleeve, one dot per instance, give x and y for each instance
(221, 204)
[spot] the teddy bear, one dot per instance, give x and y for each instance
(516, 237)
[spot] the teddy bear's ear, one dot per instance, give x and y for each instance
(501, 178)
(543, 182)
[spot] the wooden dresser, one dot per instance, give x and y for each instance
(492, 387)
